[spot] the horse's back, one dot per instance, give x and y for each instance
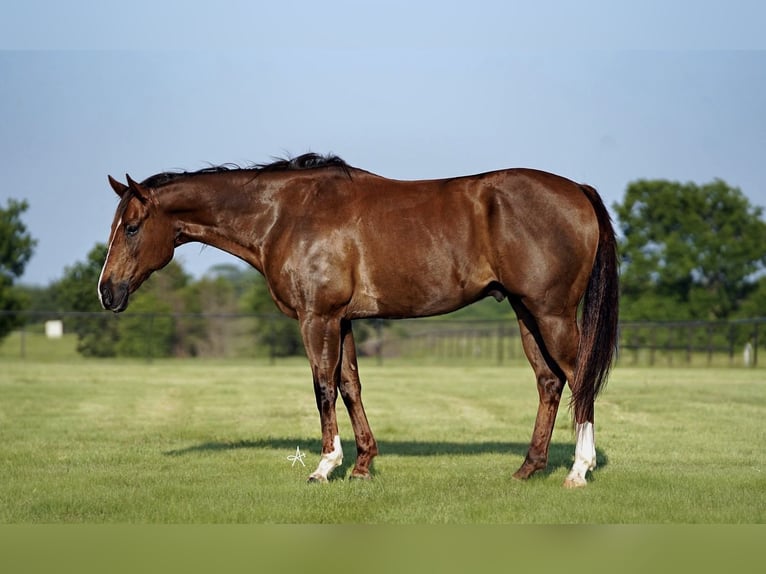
(432, 246)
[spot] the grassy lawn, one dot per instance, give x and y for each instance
(207, 442)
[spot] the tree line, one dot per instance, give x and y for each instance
(181, 316)
(688, 252)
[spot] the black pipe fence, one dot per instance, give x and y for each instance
(705, 343)
(56, 334)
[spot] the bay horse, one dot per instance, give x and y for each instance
(336, 243)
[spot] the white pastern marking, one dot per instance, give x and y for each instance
(106, 259)
(585, 454)
(329, 461)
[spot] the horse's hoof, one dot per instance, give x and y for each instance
(523, 473)
(575, 482)
(316, 479)
(360, 476)
(526, 471)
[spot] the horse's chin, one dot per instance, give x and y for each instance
(121, 299)
(120, 306)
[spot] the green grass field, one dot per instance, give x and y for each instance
(207, 442)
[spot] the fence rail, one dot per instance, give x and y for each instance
(153, 335)
(733, 342)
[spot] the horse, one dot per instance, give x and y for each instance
(336, 243)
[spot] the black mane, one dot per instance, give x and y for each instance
(305, 161)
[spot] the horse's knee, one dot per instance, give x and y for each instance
(326, 393)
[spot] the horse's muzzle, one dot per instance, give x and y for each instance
(114, 297)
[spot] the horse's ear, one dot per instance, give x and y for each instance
(141, 193)
(118, 187)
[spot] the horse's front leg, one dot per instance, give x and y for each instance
(321, 338)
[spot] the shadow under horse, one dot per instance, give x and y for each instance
(559, 454)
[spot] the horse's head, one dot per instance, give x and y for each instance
(142, 241)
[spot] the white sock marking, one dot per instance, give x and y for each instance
(585, 454)
(329, 461)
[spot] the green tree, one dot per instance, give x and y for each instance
(281, 334)
(688, 251)
(146, 329)
(16, 248)
(107, 335)
(213, 334)
(754, 306)
(76, 292)
(150, 327)
(240, 279)
(77, 289)
(39, 297)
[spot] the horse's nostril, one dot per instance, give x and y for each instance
(106, 296)
(114, 297)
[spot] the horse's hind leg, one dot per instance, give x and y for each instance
(351, 392)
(550, 342)
(549, 387)
(557, 338)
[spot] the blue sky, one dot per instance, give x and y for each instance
(412, 90)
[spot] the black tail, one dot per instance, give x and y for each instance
(598, 329)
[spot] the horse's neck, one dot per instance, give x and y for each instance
(221, 213)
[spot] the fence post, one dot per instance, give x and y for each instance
(23, 349)
(379, 337)
(273, 341)
(689, 343)
(500, 334)
(669, 347)
(149, 342)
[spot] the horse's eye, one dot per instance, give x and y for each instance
(131, 229)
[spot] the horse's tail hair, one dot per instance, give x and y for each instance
(599, 321)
